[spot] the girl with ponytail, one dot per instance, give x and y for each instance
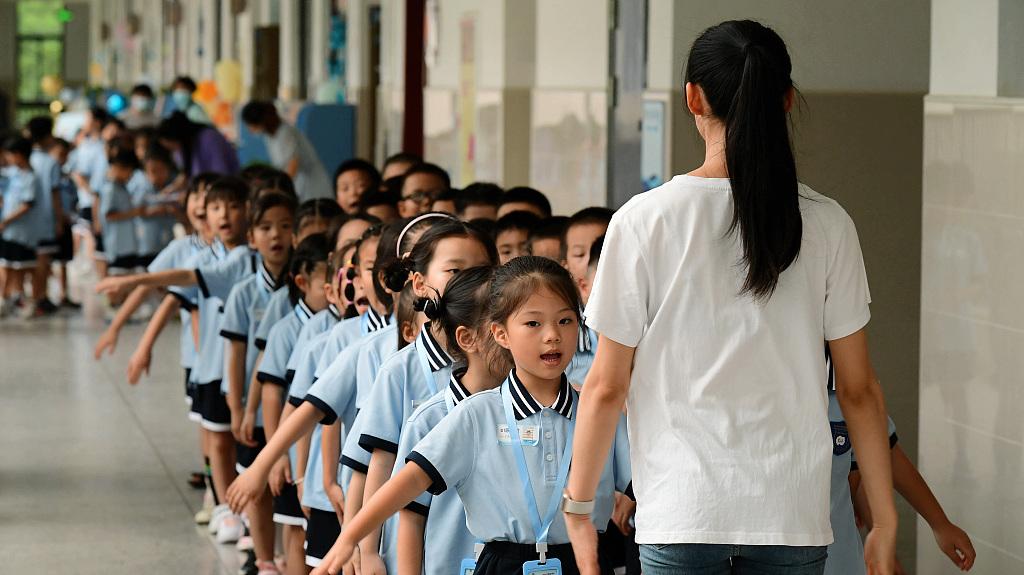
(712, 298)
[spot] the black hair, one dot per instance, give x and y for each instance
(478, 194)
(343, 218)
(39, 128)
(393, 272)
(124, 158)
(372, 199)
(359, 165)
(272, 178)
(523, 194)
(430, 169)
(157, 153)
(592, 215)
(18, 145)
(464, 303)
(259, 113)
(423, 252)
(405, 310)
(187, 82)
(58, 143)
(401, 158)
(99, 115)
(552, 228)
(595, 252)
(310, 252)
(227, 189)
(518, 220)
(449, 195)
(318, 208)
(384, 258)
(258, 207)
(487, 226)
(524, 276)
(142, 90)
(744, 70)
(178, 128)
(117, 122)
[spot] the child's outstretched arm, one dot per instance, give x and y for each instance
(116, 285)
(952, 540)
(108, 341)
(251, 483)
(388, 500)
(139, 361)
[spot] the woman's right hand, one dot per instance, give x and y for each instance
(107, 342)
(880, 551)
(244, 489)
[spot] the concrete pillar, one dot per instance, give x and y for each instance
(207, 39)
(288, 87)
(227, 31)
(319, 26)
(246, 31)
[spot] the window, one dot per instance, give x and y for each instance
(40, 53)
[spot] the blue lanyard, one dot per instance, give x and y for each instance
(428, 375)
(541, 526)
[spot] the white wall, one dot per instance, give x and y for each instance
(572, 44)
(965, 47)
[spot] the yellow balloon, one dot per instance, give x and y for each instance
(51, 85)
(227, 76)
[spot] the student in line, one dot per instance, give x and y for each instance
(534, 316)
(50, 213)
(17, 224)
(353, 179)
(525, 199)
(512, 234)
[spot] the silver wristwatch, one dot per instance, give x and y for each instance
(571, 506)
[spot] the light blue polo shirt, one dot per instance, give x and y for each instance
(280, 343)
(322, 321)
(118, 236)
(154, 232)
(401, 385)
(48, 173)
(325, 394)
(243, 312)
(586, 347)
(176, 256)
(279, 306)
(370, 321)
(446, 539)
(90, 160)
(470, 450)
(22, 188)
(214, 281)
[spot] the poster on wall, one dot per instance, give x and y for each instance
(467, 100)
(652, 145)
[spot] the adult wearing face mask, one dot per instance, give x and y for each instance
(181, 100)
(141, 105)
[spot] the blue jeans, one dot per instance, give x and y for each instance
(706, 559)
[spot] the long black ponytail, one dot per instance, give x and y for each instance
(744, 70)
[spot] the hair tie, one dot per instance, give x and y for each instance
(416, 220)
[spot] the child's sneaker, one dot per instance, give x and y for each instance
(219, 513)
(204, 515)
(244, 543)
(230, 529)
(267, 568)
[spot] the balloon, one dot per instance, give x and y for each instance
(206, 92)
(51, 85)
(228, 78)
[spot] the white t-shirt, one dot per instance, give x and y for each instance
(311, 180)
(728, 421)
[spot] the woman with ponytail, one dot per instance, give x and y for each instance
(713, 298)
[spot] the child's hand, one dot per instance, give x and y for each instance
(280, 475)
(624, 510)
(337, 498)
(248, 428)
(956, 544)
(236, 423)
(114, 286)
(244, 489)
(340, 554)
(369, 564)
(352, 567)
(107, 342)
(137, 365)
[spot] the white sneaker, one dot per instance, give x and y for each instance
(204, 515)
(230, 529)
(219, 513)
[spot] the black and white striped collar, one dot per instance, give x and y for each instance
(524, 405)
(267, 279)
(374, 320)
(584, 345)
(302, 311)
(455, 387)
(437, 357)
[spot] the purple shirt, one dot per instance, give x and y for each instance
(212, 152)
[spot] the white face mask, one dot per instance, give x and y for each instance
(141, 103)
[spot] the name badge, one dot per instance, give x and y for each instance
(468, 566)
(549, 567)
(528, 435)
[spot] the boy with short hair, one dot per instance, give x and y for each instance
(479, 200)
(546, 239)
(352, 180)
(583, 228)
(525, 199)
(511, 234)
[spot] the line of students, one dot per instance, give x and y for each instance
(325, 363)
